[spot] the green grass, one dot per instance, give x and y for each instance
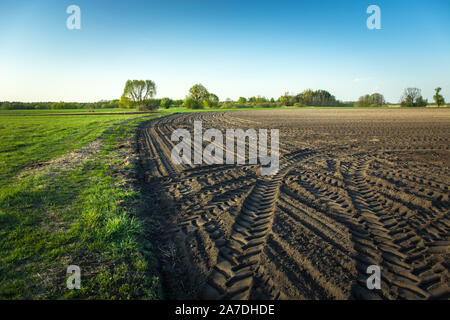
(86, 215)
(182, 109)
(62, 111)
(29, 140)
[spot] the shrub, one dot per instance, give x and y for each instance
(177, 103)
(265, 105)
(227, 104)
(191, 103)
(166, 103)
(148, 104)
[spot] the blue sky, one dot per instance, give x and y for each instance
(234, 48)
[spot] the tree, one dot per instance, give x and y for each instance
(199, 96)
(211, 101)
(136, 92)
(191, 103)
(316, 98)
(374, 100)
(305, 98)
(412, 97)
(177, 103)
(438, 99)
(242, 100)
(323, 98)
(149, 104)
(198, 92)
(124, 102)
(377, 99)
(363, 101)
(166, 103)
(421, 102)
(286, 99)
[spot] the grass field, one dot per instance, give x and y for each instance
(62, 111)
(60, 207)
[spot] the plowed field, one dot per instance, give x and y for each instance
(354, 188)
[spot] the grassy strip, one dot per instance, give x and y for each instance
(56, 111)
(183, 109)
(26, 141)
(86, 216)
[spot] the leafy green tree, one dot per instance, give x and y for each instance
(316, 98)
(198, 92)
(421, 102)
(373, 100)
(323, 98)
(305, 98)
(211, 101)
(136, 92)
(124, 102)
(260, 99)
(286, 100)
(191, 103)
(177, 103)
(228, 103)
(363, 101)
(377, 99)
(166, 103)
(438, 98)
(242, 100)
(199, 96)
(412, 97)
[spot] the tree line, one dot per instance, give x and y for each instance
(411, 97)
(103, 104)
(139, 94)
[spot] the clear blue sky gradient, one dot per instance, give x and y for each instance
(234, 48)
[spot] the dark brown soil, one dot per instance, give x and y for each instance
(355, 188)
